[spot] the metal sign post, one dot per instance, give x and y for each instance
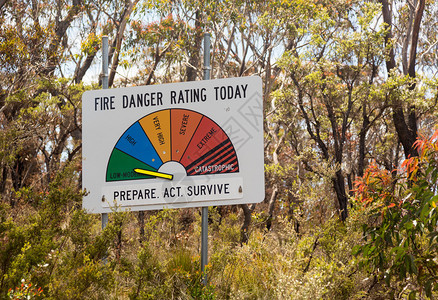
(104, 217)
(204, 225)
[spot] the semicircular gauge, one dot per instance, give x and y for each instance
(195, 141)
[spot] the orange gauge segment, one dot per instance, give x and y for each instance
(157, 128)
(184, 124)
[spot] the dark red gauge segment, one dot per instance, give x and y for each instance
(220, 159)
(210, 151)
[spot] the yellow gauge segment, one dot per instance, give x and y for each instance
(153, 173)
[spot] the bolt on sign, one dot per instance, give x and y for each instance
(174, 145)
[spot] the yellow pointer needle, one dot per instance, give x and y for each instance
(152, 173)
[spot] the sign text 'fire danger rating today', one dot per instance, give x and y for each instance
(173, 145)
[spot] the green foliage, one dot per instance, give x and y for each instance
(186, 276)
(326, 95)
(52, 244)
(282, 265)
(25, 291)
(401, 239)
(273, 265)
(147, 276)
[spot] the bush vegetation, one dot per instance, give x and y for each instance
(52, 249)
(349, 90)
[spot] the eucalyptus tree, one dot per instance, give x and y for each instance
(411, 48)
(47, 48)
(336, 79)
(247, 41)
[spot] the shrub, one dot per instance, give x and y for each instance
(401, 238)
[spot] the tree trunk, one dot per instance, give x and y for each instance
(194, 59)
(140, 217)
(406, 129)
(362, 141)
(115, 52)
(247, 211)
(406, 134)
(271, 206)
(339, 185)
(82, 70)
(2, 3)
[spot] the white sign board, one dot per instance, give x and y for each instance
(188, 144)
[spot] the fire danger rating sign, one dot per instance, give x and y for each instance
(174, 145)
